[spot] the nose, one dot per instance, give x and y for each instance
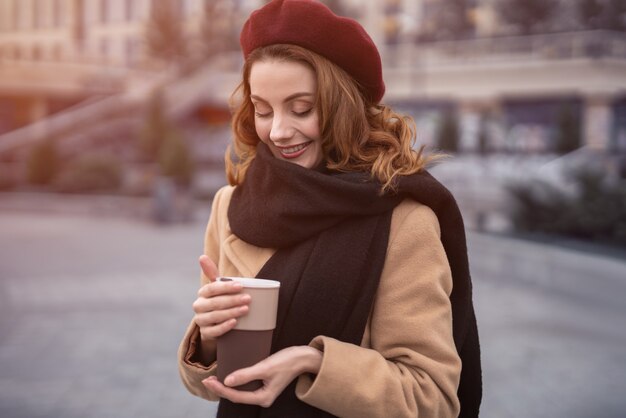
(281, 128)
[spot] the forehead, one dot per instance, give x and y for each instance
(273, 79)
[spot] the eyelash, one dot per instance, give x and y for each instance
(303, 114)
(297, 114)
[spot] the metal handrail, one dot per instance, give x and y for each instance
(563, 46)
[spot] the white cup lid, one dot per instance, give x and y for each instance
(251, 282)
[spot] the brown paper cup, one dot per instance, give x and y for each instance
(251, 339)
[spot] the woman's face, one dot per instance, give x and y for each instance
(286, 119)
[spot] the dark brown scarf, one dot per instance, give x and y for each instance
(331, 233)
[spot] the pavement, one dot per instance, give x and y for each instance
(92, 308)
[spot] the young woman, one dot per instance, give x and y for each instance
(328, 196)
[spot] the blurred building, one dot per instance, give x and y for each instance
(57, 53)
(516, 92)
(506, 91)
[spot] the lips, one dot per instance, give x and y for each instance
(295, 150)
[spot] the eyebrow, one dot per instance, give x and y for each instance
(287, 99)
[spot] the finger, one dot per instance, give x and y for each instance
(217, 317)
(246, 375)
(219, 288)
(217, 330)
(208, 267)
(221, 302)
(256, 397)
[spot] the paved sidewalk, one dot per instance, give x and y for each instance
(91, 314)
(551, 323)
(92, 311)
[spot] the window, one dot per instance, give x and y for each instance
(36, 53)
(90, 10)
(37, 14)
(17, 15)
(129, 50)
(104, 47)
(104, 11)
(128, 10)
(57, 52)
(56, 13)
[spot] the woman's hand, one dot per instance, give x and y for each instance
(218, 305)
(276, 372)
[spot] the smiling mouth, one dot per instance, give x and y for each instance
(294, 151)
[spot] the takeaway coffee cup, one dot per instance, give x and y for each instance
(251, 339)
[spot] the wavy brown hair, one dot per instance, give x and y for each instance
(356, 135)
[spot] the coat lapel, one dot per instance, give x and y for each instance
(246, 260)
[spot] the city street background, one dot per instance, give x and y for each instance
(92, 310)
(114, 121)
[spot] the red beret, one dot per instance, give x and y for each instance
(312, 25)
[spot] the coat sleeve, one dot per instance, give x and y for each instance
(409, 367)
(192, 371)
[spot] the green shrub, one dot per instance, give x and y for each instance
(91, 173)
(175, 159)
(597, 211)
(43, 163)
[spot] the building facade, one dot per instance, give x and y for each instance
(518, 91)
(57, 53)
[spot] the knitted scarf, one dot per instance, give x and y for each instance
(331, 233)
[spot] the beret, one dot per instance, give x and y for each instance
(312, 25)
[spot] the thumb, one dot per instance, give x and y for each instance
(208, 267)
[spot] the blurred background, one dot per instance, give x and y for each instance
(114, 120)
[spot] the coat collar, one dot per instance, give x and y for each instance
(246, 259)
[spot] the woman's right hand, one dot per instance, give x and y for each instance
(219, 304)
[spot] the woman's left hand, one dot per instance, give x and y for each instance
(276, 372)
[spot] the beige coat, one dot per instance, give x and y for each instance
(406, 365)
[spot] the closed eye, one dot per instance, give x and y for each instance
(303, 114)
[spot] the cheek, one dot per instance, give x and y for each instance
(312, 129)
(262, 130)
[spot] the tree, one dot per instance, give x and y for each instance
(218, 27)
(526, 15)
(43, 163)
(603, 14)
(448, 133)
(162, 143)
(165, 37)
(175, 159)
(590, 13)
(568, 133)
(484, 146)
(451, 20)
(151, 136)
(616, 16)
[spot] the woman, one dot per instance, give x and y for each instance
(328, 196)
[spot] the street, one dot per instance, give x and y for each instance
(92, 310)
